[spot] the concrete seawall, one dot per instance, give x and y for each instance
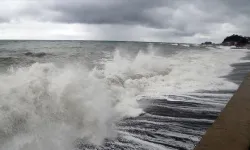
(231, 130)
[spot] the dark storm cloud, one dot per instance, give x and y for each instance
(150, 13)
(140, 12)
(185, 17)
(133, 19)
(144, 12)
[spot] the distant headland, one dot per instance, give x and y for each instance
(236, 40)
(233, 40)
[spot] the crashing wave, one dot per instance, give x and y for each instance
(45, 106)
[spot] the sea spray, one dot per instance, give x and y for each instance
(39, 100)
(50, 106)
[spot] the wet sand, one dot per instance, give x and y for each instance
(231, 130)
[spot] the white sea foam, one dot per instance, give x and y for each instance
(44, 106)
(187, 71)
(174, 44)
(185, 45)
(45, 102)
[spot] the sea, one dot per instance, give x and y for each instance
(111, 95)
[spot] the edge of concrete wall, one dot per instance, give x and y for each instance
(231, 130)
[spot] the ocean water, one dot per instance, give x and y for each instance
(75, 95)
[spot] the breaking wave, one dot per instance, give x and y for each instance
(45, 106)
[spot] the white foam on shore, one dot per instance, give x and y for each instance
(184, 72)
(44, 106)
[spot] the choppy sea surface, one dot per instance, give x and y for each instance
(75, 95)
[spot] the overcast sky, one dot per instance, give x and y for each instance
(192, 21)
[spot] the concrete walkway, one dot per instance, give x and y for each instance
(231, 130)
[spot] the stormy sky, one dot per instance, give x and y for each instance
(187, 21)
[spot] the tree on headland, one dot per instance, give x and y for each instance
(236, 40)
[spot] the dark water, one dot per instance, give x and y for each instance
(113, 95)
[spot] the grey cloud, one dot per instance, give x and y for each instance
(138, 12)
(150, 13)
(240, 6)
(160, 14)
(3, 19)
(142, 12)
(158, 19)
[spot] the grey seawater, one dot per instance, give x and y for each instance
(163, 95)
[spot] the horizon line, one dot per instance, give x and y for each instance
(97, 41)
